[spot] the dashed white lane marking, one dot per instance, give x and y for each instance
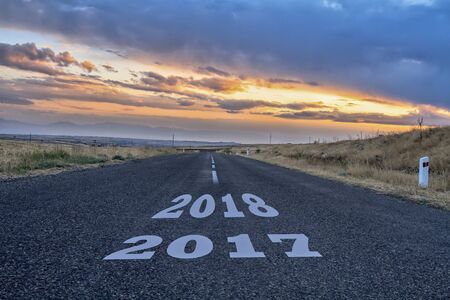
(214, 177)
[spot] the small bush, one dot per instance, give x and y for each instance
(17, 157)
(48, 155)
(48, 164)
(86, 160)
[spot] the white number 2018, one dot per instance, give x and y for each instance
(205, 206)
(172, 212)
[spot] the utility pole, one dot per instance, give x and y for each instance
(309, 140)
(270, 138)
(420, 123)
(173, 140)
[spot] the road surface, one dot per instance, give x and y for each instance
(246, 229)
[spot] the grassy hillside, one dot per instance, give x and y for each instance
(386, 163)
(19, 158)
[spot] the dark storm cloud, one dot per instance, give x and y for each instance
(394, 48)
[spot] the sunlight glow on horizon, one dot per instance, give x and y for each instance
(194, 88)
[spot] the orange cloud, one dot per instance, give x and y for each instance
(226, 86)
(88, 66)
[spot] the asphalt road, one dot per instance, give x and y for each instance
(56, 231)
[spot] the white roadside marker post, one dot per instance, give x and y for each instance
(248, 151)
(424, 165)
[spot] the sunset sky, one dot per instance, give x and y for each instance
(225, 70)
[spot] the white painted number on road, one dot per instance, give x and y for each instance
(258, 207)
(150, 242)
(196, 246)
(205, 205)
(206, 201)
(244, 247)
(170, 213)
(232, 211)
(204, 246)
(300, 247)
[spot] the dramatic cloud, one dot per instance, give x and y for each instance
(302, 106)
(154, 77)
(213, 71)
(29, 57)
(109, 68)
(237, 105)
(79, 89)
(62, 59)
(219, 85)
(283, 82)
(88, 66)
(159, 82)
(11, 98)
(389, 48)
(182, 102)
(373, 118)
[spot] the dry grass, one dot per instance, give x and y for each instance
(19, 158)
(385, 163)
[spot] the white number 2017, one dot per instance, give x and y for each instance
(300, 248)
(150, 242)
(204, 246)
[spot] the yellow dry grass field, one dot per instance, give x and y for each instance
(19, 158)
(388, 164)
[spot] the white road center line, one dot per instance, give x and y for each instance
(214, 177)
(214, 173)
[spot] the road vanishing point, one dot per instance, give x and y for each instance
(214, 226)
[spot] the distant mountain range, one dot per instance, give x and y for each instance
(104, 133)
